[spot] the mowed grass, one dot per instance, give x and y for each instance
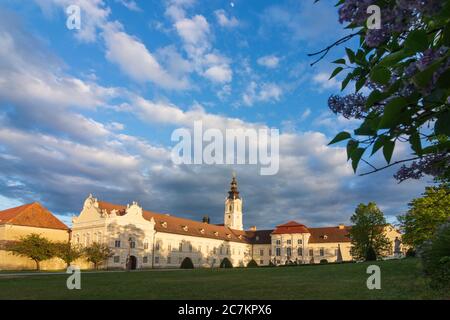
(400, 279)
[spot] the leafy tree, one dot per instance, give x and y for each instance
(33, 246)
(97, 253)
(187, 263)
(425, 214)
(405, 66)
(67, 252)
(367, 233)
(435, 257)
(252, 264)
(226, 263)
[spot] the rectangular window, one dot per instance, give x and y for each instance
(322, 252)
(181, 247)
(278, 242)
(288, 252)
(156, 260)
(278, 252)
(289, 242)
(214, 250)
(190, 247)
(117, 243)
(311, 252)
(145, 245)
(221, 250)
(145, 259)
(261, 252)
(157, 246)
(169, 260)
(270, 251)
(179, 259)
(132, 244)
(116, 259)
(299, 241)
(261, 262)
(300, 251)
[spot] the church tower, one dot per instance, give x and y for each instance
(233, 207)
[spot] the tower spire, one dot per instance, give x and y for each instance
(233, 193)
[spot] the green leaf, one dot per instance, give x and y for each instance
(351, 146)
(393, 58)
(415, 142)
(388, 149)
(360, 83)
(416, 41)
(442, 125)
(392, 113)
(350, 55)
(379, 143)
(339, 61)
(356, 157)
(380, 75)
(346, 81)
(340, 136)
(375, 96)
(444, 80)
(423, 78)
(335, 72)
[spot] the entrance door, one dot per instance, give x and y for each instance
(132, 263)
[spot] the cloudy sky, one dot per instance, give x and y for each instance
(92, 110)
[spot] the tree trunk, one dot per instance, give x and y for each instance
(38, 265)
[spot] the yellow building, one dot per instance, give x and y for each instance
(22, 221)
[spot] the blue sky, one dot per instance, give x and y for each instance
(92, 111)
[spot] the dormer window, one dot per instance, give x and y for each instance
(216, 233)
(164, 224)
(325, 237)
(202, 231)
(228, 235)
(185, 228)
(257, 238)
(240, 236)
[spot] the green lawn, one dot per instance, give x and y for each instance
(400, 279)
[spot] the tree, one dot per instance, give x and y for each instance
(404, 64)
(425, 214)
(187, 263)
(226, 263)
(367, 233)
(33, 246)
(252, 264)
(97, 253)
(67, 252)
(435, 257)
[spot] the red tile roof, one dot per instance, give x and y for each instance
(290, 227)
(171, 224)
(329, 234)
(31, 215)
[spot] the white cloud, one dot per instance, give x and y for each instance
(130, 5)
(266, 92)
(219, 73)
(305, 114)
(270, 61)
(133, 58)
(224, 21)
(322, 79)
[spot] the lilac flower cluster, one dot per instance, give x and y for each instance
(436, 165)
(397, 17)
(350, 106)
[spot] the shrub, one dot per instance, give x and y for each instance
(410, 253)
(226, 263)
(187, 263)
(371, 255)
(435, 257)
(323, 261)
(97, 253)
(252, 264)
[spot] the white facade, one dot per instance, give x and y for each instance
(144, 239)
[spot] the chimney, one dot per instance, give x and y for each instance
(253, 228)
(205, 219)
(341, 227)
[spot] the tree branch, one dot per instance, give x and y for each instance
(387, 166)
